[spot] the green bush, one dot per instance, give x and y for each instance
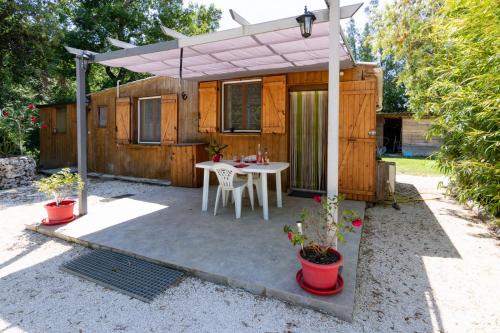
(451, 51)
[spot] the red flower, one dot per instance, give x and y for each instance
(290, 235)
(34, 119)
(317, 198)
(44, 126)
(31, 106)
(357, 223)
(5, 114)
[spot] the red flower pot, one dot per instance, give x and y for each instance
(62, 212)
(319, 276)
(216, 158)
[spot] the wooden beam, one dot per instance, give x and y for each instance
(172, 33)
(120, 44)
(238, 18)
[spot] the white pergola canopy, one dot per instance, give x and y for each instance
(252, 49)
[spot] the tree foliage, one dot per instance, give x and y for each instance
(35, 67)
(451, 55)
(364, 49)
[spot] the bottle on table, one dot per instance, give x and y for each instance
(259, 154)
(266, 159)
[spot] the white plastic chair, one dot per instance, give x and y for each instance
(228, 184)
(255, 178)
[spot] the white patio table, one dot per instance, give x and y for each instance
(262, 169)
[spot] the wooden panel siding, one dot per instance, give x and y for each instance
(57, 149)
(153, 161)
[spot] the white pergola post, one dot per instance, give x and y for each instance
(81, 123)
(332, 175)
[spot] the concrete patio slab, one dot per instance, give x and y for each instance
(166, 226)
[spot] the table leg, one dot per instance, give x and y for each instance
(279, 200)
(265, 204)
(206, 185)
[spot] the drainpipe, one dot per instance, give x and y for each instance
(118, 89)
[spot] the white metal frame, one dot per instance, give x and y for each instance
(139, 121)
(223, 110)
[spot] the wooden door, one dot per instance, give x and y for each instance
(357, 145)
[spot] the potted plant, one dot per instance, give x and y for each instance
(215, 150)
(60, 185)
(317, 234)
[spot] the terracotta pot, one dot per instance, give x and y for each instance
(62, 212)
(319, 276)
(216, 158)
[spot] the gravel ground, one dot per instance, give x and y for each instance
(430, 267)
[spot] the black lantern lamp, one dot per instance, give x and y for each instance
(306, 22)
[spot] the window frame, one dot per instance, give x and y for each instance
(139, 121)
(223, 129)
(99, 116)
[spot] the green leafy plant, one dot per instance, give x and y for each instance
(214, 148)
(317, 231)
(450, 51)
(60, 185)
(18, 122)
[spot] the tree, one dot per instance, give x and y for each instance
(89, 22)
(352, 37)
(450, 51)
(365, 52)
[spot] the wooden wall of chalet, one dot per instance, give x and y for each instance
(357, 173)
(57, 149)
(109, 155)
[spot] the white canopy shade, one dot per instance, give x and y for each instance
(236, 52)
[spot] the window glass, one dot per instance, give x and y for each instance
(102, 114)
(61, 120)
(242, 106)
(149, 120)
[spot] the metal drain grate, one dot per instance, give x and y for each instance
(134, 277)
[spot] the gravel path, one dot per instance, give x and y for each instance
(430, 267)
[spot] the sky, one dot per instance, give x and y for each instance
(256, 11)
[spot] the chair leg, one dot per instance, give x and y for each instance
(225, 195)
(219, 190)
(237, 201)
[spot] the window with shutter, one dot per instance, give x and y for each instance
(273, 104)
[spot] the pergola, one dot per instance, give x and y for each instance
(251, 49)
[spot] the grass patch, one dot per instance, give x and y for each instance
(417, 166)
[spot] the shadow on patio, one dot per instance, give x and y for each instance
(166, 225)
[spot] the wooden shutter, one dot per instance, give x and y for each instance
(273, 104)
(122, 118)
(168, 119)
(207, 104)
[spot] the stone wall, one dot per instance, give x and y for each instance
(16, 171)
